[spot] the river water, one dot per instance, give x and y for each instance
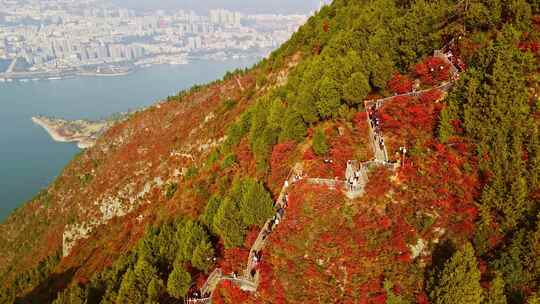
(30, 160)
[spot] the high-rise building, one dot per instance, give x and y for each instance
(214, 16)
(237, 19)
(116, 51)
(102, 52)
(225, 17)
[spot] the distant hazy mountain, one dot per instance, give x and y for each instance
(259, 6)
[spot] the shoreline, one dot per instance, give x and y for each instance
(74, 72)
(51, 131)
(82, 143)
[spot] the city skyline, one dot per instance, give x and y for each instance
(40, 38)
(246, 6)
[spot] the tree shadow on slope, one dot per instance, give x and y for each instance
(441, 254)
(46, 291)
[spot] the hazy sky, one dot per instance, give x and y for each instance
(252, 6)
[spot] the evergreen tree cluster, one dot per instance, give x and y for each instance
(348, 49)
(161, 266)
(28, 280)
(491, 106)
(156, 271)
(247, 203)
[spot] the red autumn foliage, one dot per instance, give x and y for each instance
(378, 184)
(230, 293)
(400, 84)
(528, 45)
(341, 151)
(444, 176)
(378, 299)
(360, 120)
(269, 287)
(244, 155)
(456, 124)
(433, 70)
(234, 259)
(251, 236)
(422, 298)
(279, 162)
(431, 96)
(405, 119)
(309, 154)
(385, 222)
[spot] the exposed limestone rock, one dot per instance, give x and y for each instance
(73, 233)
(209, 117)
(211, 144)
(418, 249)
(117, 205)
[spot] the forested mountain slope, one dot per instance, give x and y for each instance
(184, 187)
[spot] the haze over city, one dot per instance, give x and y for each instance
(250, 6)
(57, 39)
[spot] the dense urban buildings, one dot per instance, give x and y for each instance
(44, 38)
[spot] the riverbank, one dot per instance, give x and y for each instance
(84, 133)
(53, 133)
(30, 160)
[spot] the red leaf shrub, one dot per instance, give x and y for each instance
(433, 70)
(529, 46)
(404, 257)
(228, 292)
(360, 120)
(456, 124)
(431, 96)
(279, 162)
(379, 299)
(269, 287)
(341, 151)
(326, 26)
(400, 84)
(234, 259)
(244, 155)
(422, 298)
(378, 184)
(251, 236)
(309, 155)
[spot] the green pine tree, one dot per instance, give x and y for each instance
(178, 282)
(210, 211)
(446, 130)
(495, 294)
(130, 291)
(189, 237)
(256, 205)
(202, 256)
(294, 127)
(155, 290)
(229, 224)
(320, 146)
(459, 281)
(329, 97)
(356, 88)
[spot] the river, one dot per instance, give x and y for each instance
(30, 160)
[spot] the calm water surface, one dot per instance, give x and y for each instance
(30, 160)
